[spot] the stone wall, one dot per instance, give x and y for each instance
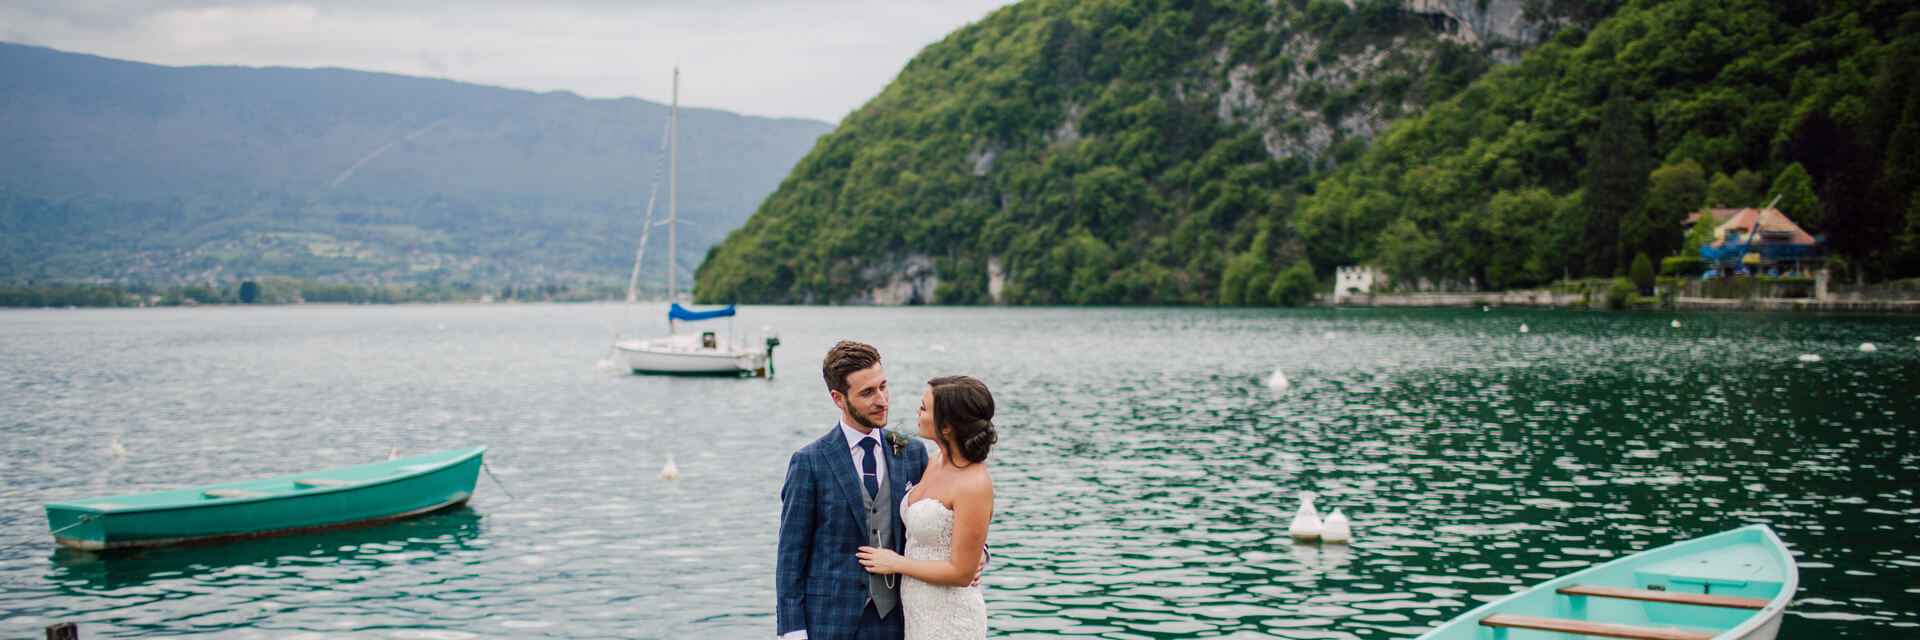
(1544, 299)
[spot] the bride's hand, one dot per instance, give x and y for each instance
(878, 560)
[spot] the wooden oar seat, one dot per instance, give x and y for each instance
(1583, 627)
(322, 482)
(1649, 595)
(232, 493)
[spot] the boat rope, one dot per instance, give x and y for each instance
(496, 480)
(31, 538)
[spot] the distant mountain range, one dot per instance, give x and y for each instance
(123, 171)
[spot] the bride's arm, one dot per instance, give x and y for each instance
(972, 509)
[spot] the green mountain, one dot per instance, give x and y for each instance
(1150, 151)
(1109, 151)
(121, 171)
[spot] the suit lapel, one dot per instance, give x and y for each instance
(846, 477)
(898, 470)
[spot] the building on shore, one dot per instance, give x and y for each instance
(1761, 242)
(1355, 282)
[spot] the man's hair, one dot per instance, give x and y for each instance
(845, 358)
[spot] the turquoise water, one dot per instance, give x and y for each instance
(1146, 474)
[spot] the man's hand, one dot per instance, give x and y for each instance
(986, 556)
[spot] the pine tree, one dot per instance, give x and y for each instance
(1616, 182)
(1797, 200)
(1642, 274)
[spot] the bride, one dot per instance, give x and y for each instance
(946, 516)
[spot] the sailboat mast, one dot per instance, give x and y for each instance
(673, 181)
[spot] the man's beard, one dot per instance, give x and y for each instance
(861, 417)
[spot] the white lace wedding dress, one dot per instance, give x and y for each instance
(935, 612)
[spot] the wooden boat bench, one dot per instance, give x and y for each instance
(322, 482)
(232, 493)
(1582, 627)
(1648, 595)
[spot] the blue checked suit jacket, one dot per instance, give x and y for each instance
(818, 582)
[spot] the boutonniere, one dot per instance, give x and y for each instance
(898, 441)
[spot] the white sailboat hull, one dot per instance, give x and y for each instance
(685, 355)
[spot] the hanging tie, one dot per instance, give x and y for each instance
(869, 471)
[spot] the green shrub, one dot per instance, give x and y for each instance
(1681, 265)
(1294, 287)
(1642, 273)
(1620, 294)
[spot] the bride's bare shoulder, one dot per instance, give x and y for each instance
(975, 482)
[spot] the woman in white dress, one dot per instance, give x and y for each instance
(946, 515)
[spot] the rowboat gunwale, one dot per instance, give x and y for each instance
(96, 545)
(458, 456)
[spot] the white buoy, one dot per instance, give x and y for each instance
(1868, 347)
(1809, 357)
(671, 471)
(393, 452)
(116, 449)
(1278, 380)
(1676, 324)
(1485, 308)
(1306, 521)
(936, 349)
(1523, 327)
(1336, 529)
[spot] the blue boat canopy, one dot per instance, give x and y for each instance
(682, 313)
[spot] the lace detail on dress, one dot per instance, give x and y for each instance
(936, 612)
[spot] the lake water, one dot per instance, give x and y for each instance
(1146, 475)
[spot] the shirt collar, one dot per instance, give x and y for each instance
(854, 436)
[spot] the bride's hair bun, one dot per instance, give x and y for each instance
(964, 406)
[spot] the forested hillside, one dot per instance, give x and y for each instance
(129, 172)
(1143, 151)
(1106, 151)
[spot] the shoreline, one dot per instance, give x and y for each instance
(1551, 300)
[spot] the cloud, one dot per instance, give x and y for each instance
(815, 60)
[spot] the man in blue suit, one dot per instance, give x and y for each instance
(842, 492)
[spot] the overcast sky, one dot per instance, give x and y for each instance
(818, 59)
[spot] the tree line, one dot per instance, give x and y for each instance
(278, 290)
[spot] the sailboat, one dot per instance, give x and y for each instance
(707, 352)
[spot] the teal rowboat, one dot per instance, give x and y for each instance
(273, 506)
(1732, 585)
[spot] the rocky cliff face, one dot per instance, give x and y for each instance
(910, 279)
(1294, 114)
(1492, 22)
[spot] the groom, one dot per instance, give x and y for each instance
(841, 494)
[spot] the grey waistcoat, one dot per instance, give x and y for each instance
(882, 590)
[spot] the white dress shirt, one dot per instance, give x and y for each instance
(859, 455)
